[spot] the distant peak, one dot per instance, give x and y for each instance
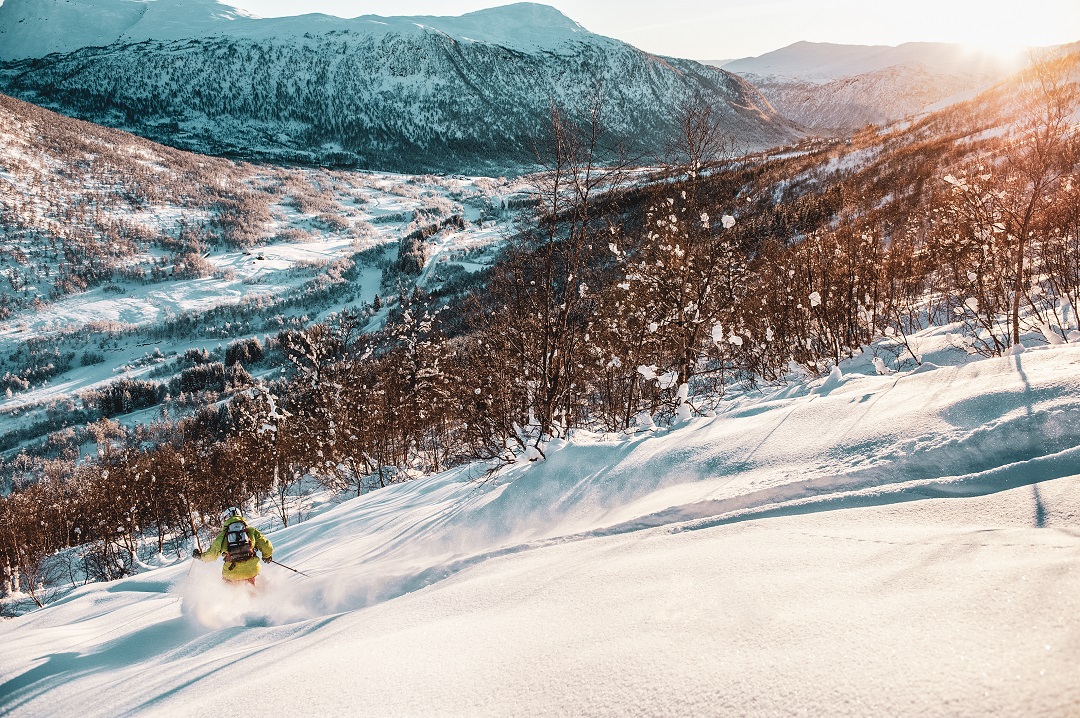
(535, 13)
(524, 26)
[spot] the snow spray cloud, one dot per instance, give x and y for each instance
(213, 603)
(279, 599)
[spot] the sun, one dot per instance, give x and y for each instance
(1001, 30)
(1002, 51)
(1009, 29)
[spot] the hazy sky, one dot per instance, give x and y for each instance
(722, 29)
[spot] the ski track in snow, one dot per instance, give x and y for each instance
(944, 497)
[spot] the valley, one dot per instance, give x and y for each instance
(303, 245)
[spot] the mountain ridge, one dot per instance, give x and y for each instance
(71, 26)
(840, 88)
(824, 61)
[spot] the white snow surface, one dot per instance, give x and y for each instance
(867, 545)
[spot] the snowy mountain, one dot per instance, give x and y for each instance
(70, 26)
(416, 94)
(875, 545)
(823, 62)
(35, 28)
(845, 87)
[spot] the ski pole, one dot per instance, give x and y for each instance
(194, 557)
(279, 563)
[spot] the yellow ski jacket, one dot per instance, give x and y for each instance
(239, 570)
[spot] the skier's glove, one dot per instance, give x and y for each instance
(268, 559)
(196, 553)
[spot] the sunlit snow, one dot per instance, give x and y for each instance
(871, 544)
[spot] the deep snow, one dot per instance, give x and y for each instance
(866, 545)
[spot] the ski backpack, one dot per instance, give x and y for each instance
(237, 542)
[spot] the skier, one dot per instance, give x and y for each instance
(238, 542)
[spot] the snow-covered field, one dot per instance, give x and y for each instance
(867, 545)
(119, 318)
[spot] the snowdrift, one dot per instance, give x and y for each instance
(903, 544)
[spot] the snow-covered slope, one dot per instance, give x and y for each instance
(844, 87)
(35, 28)
(872, 545)
(470, 93)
